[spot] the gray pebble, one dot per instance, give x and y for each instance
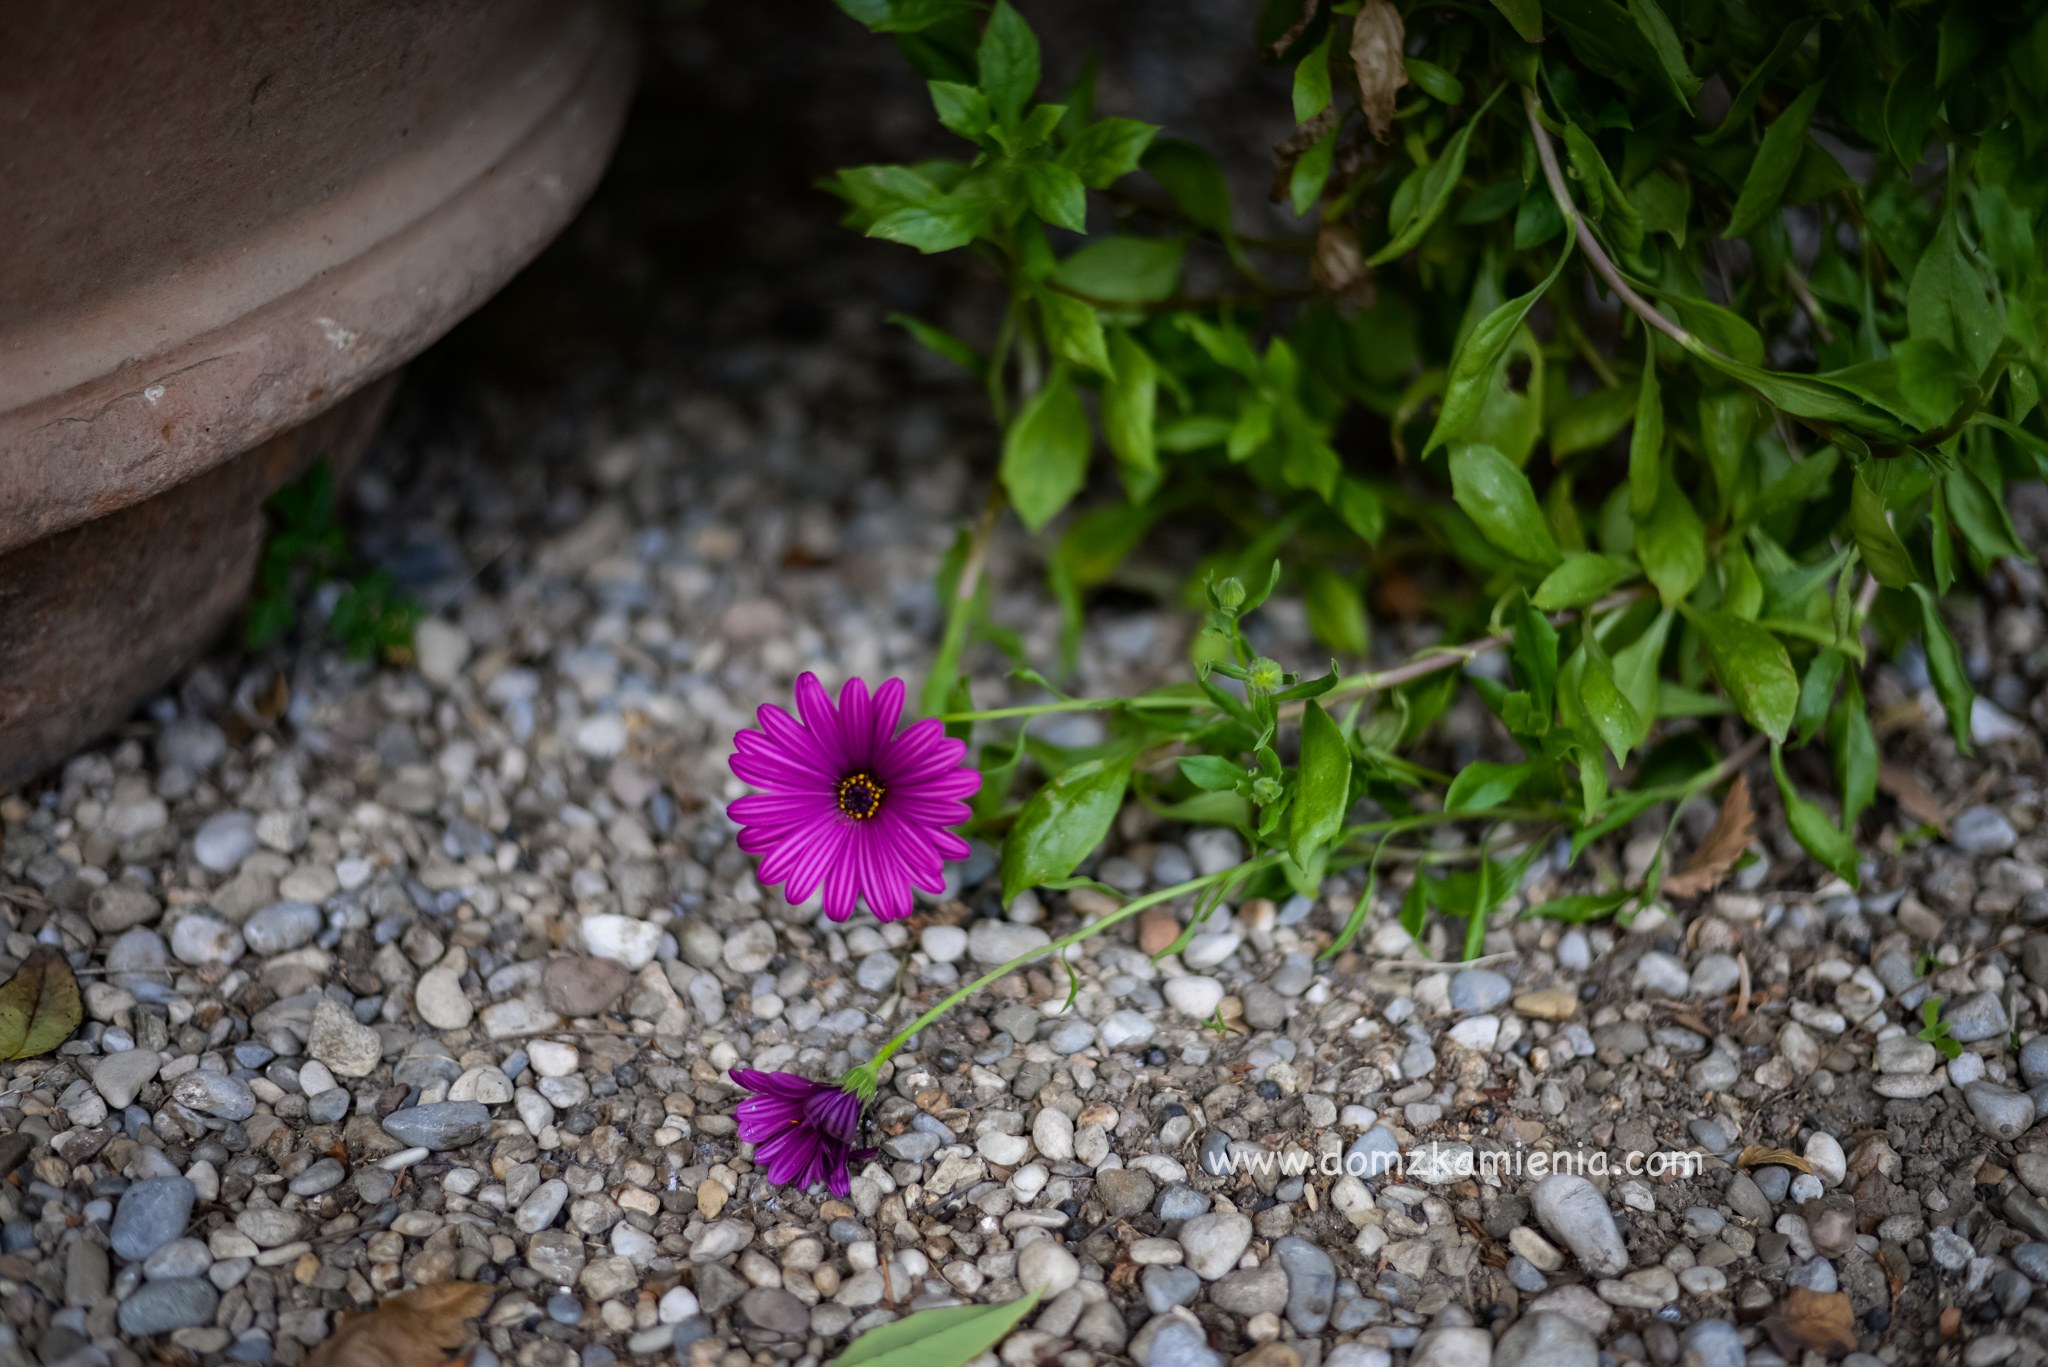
(1478, 989)
(1166, 1287)
(176, 1259)
(1713, 1343)
(1979, 1016)
(1982, 830)
(151, 1213)
(1311, 1283)
(1546, 1339)
(160, 1307)
(1574, 1211)
(282, 927)
(215, 1094)
(440, 1125)
(323, 1176)
(2000, 1112)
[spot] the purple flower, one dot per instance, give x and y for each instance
(851, 803)
(802, 1131)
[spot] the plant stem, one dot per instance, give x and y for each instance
(1059, 946)
(1595, 253)
(1372, 682)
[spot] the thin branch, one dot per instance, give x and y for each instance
(1595, 253)
(1800, 291)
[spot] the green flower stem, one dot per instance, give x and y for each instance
(1377, 681)
(1059, 946)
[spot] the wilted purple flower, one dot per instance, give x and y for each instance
(802, 1131)
(851, 803)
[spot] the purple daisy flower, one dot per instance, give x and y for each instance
(851, 803)
(802, 1131)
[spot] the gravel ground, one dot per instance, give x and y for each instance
(397, 976)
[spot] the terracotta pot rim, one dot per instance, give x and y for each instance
(335, 317)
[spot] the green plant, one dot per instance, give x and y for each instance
(307, 551)
(1934, 1029)
(1677, 407)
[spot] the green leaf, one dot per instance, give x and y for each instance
(1753, 670)
(1056, 195)
(39, 1005)
(1322, 786)
(1816, 694)
(1008, 61)
(1636, 668)
(1526, 16)
(1672, 545)
(1434, 81)
(1073, 333)
(961, 108)
(1211, 773)
(1471, 373)
(1498, 499)
(1582, 578)
(1854, 747)
(1981, 514)
(1589, 421)
(950, 1336)
(943, 343)
(1312, 80)
(1311, 172)
(1124, 270)
(1819, 836)
(1655, 27)
(1882, 550)
(1581, 906)
(1045, 452)
(1613, 718)
(1482, 786)
(1777, 157)
(1063, 822)
(1434, 193)
(1130, 403)
(939, 226)
(1646, 441)
(1336, 608)
(1193, 180)
(1946, 301)
(1108, 150)
(1945, 667)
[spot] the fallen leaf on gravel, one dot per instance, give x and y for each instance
(1912, 796)
(1732, 831)
(39, 1006)
(416, 1328)
(1820, 1321)
(1758, 1156)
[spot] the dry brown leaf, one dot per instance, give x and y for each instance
(1338, 266)
(1912, 796)
(1377, 38)
(1733, 829)
(1822, 1322)
(416, 1328)
(39, 1006)
(1758, 1156)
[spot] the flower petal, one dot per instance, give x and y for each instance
(816, 706)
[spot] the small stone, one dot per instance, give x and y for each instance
(440, 1000)
(1824, 1153)
(998, 942)
(775, 1310)
(1906, 1055)
(1123, 1028)
(323, 1176)
(121, 906)
(120, 1078)
(1549, 1004)
(1214, 1242)
(1478, 989)
(630, 942)
(1546, 1340)
(1453, 1347)
(583, 986)
(1982, 830)
(150, 1214)
(178, 1258)
(215, 1094)
(1979, 1016)
(269, 1227)
(440, 649)
(282, 927)
(203, 942)
(1311, 1283)
(943, 944)
(1573, 1210)
(1712, 1343)
(224, 841)
(751, 948)
(337, 1039)
(165, 1306)
(1047, 1267)
(440, 1125)
(1194, 997)
(1052, 1134)
(1260, 1290)
(1999, 1111)
(1125, 1192)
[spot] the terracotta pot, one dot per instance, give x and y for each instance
(220, 222)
